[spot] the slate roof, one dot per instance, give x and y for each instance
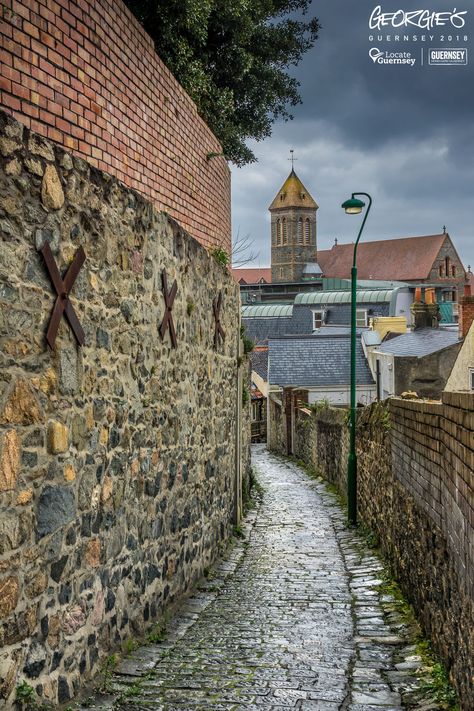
(371, 338)
(392, 259)
(252, 276)
(259, 361)
(312, 268)
(419, 343)
(315, 361)
(259, 329)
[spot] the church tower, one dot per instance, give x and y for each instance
(293, 227)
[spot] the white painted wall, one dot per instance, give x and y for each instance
(338, 396)
(387, 373)
(402, 306)
(460, 378)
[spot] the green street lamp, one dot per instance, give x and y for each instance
(354, 206)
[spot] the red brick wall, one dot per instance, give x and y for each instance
(466, 314)
(85, 74)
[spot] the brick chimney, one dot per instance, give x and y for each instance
(466, 312)
(425, 313)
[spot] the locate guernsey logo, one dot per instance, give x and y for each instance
(380, 57)
(448, 56)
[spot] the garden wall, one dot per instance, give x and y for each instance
(118, 459)
(416, 492)
(85, 74)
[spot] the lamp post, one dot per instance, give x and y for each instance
(354, 206)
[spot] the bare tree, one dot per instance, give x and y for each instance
(242, 251)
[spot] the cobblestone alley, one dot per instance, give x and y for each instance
(292, 620)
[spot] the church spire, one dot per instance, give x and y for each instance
(293, 230)
(293, 194)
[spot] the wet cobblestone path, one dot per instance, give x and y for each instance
(292, 620)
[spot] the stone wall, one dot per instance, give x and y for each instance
(118, 459)
(415, 491)
(459, 278)
(288, 259)
(86, 75)
(426, 377)
(276, 433)
(321, 441)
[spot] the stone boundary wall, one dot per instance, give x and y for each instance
(118, 460)
(416, 492)
(85, 74)
(276, 434)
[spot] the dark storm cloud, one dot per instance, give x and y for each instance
(405, 134)
(371, 103)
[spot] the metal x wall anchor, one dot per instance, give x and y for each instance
(63, 289)
(168, 317)
(219, 331)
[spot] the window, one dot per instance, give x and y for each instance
(446, 266)
(361, 318)
(278, 232)
(281, 272)
(441, 270)
(274, 232)
(453, 270)
(285, 234)
(299, 231)
(318, 319)
(471, 378)
(307, 231)
(255, 412)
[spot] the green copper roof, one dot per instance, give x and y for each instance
(267, 311)
(364, 296)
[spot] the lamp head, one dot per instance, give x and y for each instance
(353, 206)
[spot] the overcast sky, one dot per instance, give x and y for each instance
(403, 134)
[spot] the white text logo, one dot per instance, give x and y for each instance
(422, 19)
(448, 56)
(379, 57)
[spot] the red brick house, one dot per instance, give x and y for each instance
(432, 259)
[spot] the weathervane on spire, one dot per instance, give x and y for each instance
(292, 158)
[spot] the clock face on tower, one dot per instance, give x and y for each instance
(293, 231)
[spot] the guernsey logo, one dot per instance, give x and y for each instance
(380, 57)
(448, 56)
